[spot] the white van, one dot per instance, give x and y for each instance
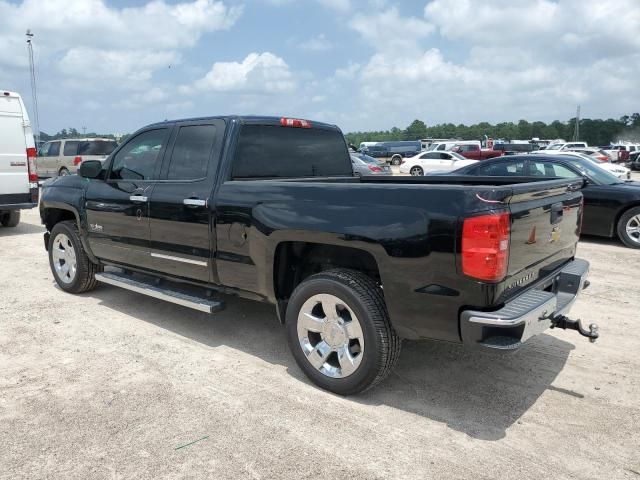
(18, 179)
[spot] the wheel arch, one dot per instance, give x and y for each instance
(294, 261)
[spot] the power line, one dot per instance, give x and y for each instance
(34, 93)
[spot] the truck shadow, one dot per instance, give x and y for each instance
(475, 392)
(21, 229)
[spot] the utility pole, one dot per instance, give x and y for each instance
(576, 129)
(84, 131)
(34, 93)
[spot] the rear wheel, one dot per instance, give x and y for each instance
(11, 218)
(629, 227)
(339, 331)
(416, 171)
(63, 172)
(396, 160)
(72, 269)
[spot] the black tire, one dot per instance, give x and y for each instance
(396, 160)
(86, 270)
(364, 297)
(63, 172)
(626, 218)
(11, 218)
(416, 171)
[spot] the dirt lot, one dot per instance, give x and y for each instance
(112, 384)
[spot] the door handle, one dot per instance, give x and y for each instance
(194, 202)
(138, 198)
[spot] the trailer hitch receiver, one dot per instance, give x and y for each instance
(564, 322)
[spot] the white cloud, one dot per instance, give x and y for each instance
(257, 73)
(500, 60)
(319, 43)
(62, 26)
(388, 31)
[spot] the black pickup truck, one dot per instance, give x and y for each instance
(269, 209)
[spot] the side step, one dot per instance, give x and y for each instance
(148, 287)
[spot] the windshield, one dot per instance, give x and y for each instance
(556, 146)
(593, 171)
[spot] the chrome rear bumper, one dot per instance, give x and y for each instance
(527, 315)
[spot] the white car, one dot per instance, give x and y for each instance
(561, 147)
(434, 161)
(18, 179)
(618, 170)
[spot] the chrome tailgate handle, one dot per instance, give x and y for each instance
(194, 202)
(138, 198)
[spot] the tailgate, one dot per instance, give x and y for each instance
(545, 226)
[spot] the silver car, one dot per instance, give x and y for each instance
(366, 165)
(63, 157)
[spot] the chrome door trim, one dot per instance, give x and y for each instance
(180, 259)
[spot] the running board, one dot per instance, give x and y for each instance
(152, 290)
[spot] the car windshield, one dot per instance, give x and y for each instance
(593, 171)
(457, 156)
(357, 160)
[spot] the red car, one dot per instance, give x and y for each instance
(474, 152)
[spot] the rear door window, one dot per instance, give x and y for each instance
(272, 151)
(97, 147)
(549, 169)
(503, 168)
(54, 149)
(191, 152)
(138, 159)
(70, 149)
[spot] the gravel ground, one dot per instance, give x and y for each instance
(111, 384)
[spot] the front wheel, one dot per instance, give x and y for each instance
(339, 331)
(71, 267)
(629, 228)
(11, 218)
(416, 171)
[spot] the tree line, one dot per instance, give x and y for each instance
(592, 131)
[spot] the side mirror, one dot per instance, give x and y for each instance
(90, 169)
(586, 181)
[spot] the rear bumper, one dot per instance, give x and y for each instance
(528, 314)
(18, 206)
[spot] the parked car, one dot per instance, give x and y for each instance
(18, 180)
(365, 165)
(514, 148)
(449, 144)
(618, 170)
(611, 206)
(393, 152)
(634, 160)
(62, 157)
(558, 147)
(474, 152)
(278, 216)
(621, 152)
(435, 161)
(594, 152)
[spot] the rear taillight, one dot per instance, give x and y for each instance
(77, 160)
(373, 168)
(31, 164)
(485, 246)
(603, 158)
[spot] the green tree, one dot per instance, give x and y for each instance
(416, 131)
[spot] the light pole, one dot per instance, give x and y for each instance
(34, 93)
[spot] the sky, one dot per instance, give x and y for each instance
(114, 66)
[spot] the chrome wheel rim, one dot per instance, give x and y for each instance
(64, 258)
(330, 336)
(633, 228)
(64, 172)
(415, 171)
